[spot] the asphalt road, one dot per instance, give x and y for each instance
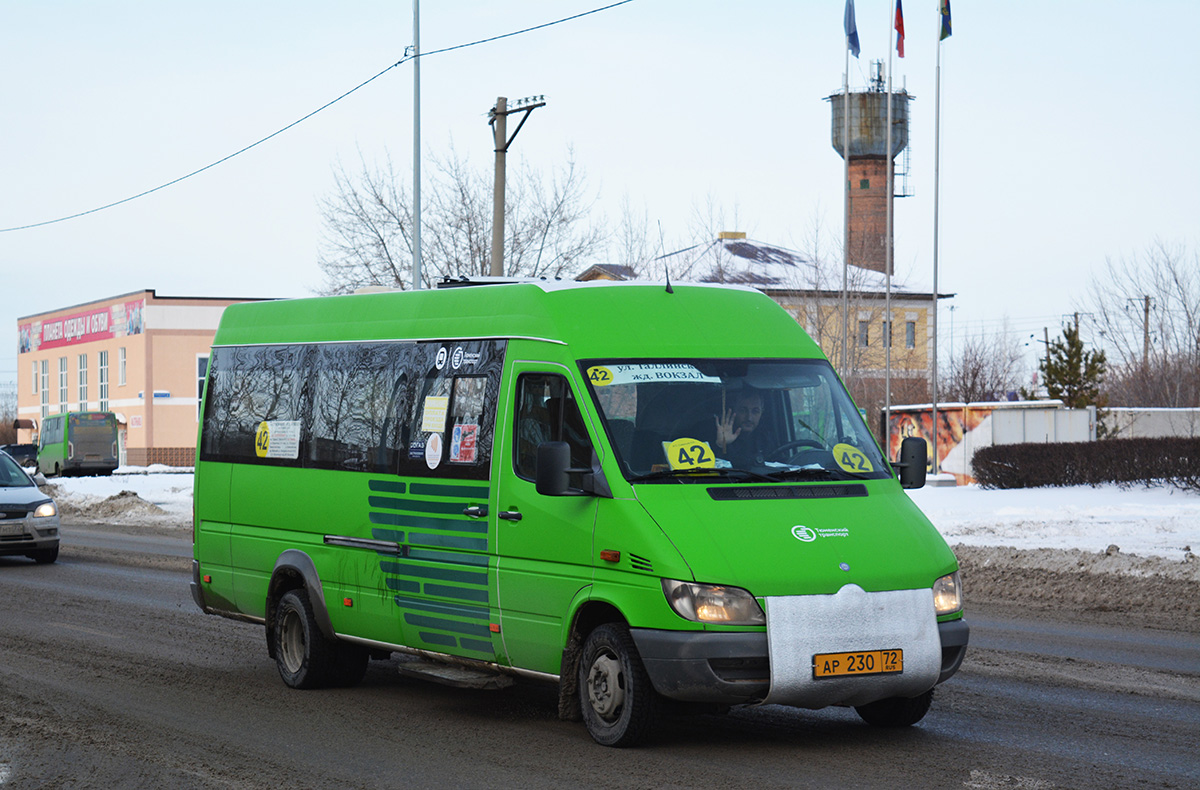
(110, 676)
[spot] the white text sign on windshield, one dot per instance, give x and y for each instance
(607, 375)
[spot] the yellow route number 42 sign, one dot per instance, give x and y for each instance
(852, 459)
(688, 453)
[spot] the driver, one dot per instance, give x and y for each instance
(738, 436)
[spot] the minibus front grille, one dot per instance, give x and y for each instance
(746, 493)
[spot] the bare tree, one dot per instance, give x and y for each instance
(1154, 360)
(8, 413)
(986, 369)
(634, 244)
(367, 238)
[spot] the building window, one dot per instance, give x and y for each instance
(102, 365)
(864, 333)
(83, 382)
(121, 366)
(201, 372)
(887, 334)
(35, 377)
(62, 383)
(910, 334)
(45, 388)
(864, 183)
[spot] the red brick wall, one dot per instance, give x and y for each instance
(868, 212)
(170, 456)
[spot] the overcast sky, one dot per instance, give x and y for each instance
(1068, 133)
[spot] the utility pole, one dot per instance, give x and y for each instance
(1146, 332)
(498, 119)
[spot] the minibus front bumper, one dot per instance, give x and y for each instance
(732, 667)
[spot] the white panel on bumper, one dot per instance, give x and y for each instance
(801, 626)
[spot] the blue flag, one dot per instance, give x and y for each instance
(851, 29)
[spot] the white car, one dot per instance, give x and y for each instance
(28, 518)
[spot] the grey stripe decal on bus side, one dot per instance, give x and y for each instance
(453, 626)
(387, 486)
(434, 489)
(445, 575)
(477, 646)
(418, 505)
(454, 584)
(403, 585)
(451, 557)
(462, 593)
(456, 610)
(448, 541)
(425, 522)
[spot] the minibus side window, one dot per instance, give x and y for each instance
(251, 385)
(452, 409)
(547, 412)
(359, 406)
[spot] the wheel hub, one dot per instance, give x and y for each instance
(605, 689)
(291, 642)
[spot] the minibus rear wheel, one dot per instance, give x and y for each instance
(896, 711)
(615, 693)
(304, 656)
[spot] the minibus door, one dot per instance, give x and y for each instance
(544, 543)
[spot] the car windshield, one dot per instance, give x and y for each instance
(732, 420)
(11, 475)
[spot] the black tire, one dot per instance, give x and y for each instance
(896, 711)
(618, 701)
(305, 657)
(43, 556)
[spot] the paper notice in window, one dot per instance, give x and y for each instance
(433, 417)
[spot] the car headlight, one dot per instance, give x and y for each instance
(45, 510)
(713, 603)
(947, 594)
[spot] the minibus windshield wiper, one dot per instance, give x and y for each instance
(815, 473)
(706, 473)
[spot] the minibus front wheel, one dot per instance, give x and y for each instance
(615, 692)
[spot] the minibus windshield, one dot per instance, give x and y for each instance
(731, 420)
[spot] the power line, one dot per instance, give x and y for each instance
(325, 106)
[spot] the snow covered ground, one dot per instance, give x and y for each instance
(1159, 522)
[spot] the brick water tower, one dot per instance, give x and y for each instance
(869, 161)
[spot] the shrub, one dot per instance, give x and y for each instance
(1124, 461)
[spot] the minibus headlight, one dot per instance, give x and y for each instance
(947, 594)
(713, 603)
(45, 510)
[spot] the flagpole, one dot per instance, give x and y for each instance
(891, 175)
(416, 212)
(846, 212)
(937, 127)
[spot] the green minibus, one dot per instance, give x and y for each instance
(78, 443)
(655, 497)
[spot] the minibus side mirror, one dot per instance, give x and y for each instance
(914, 455)
(551, 475)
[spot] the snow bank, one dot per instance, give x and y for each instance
(1160, 522)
